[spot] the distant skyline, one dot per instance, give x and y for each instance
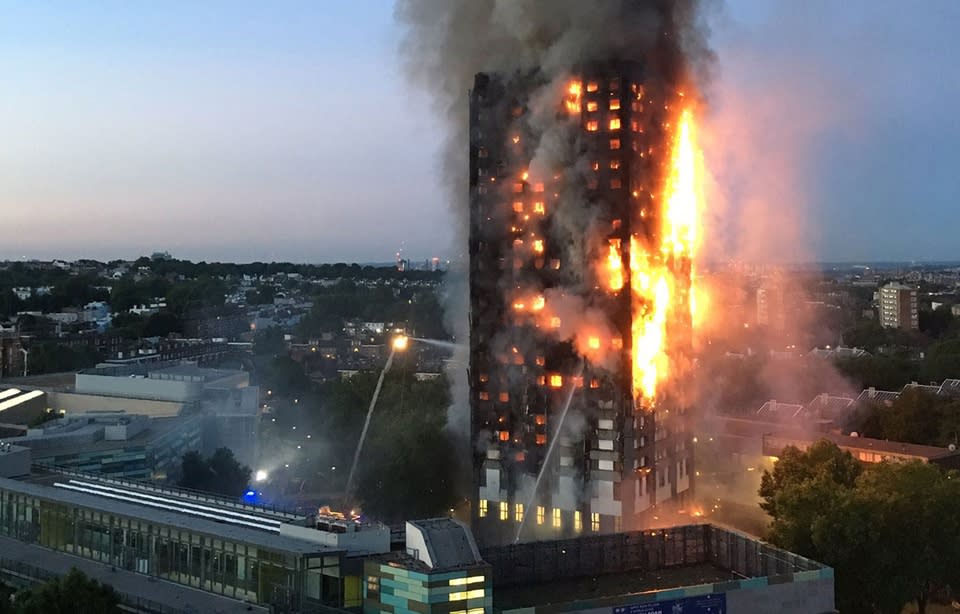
(238, 131)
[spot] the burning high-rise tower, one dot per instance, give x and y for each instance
(582, 228)
(581, 241)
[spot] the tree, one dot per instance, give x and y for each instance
(890, 531)
(221, 473)
(269, 341)
(74, 593)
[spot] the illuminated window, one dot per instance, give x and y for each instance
(614, 104)
(616, 183)
(538, 187)
(577, 521)
(635, 126)
(592, 106)
(614, 165)
(594, 383)
(614, 123)
(555, 264)
(557, 523)
(516, 139)
(556, 381)
(504, 510)
(595, 166)
(504, 397)
(484, 378)
(518, 206)
(540, 419)
(614, 144)
(483, 509)
(504, 435)
(542, 380)
(593, 125)
(541, 439)
(540, 361)
(595, 522)
(461, 595)
(466, 581)
(475, 611)
(518, 188)
(538, 207)
(538, 246)
(484, 395)
(617, 343)
(555, 322)
(518, 512)
(541, 514)
(592, 86)
(373, 584)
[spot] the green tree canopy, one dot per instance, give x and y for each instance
(74, 593)
(890, 531)
(221, 473)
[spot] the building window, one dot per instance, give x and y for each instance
(483, 508)
(556, 381)
(614, 123)
(593, 125)
(605, 465)
(541, 514)
(614, 144)
(615, 183)
(557, 522)
(461, 595)
(592, 106)
(466, 581)
(504, 435)
(595, 522)
(504, 510)
(617, 524)
(484, 395)
(518, 206)
(504, 397)
(614, 105)
(592, 86)
(577, 521)
(541, 439)
(518, 512)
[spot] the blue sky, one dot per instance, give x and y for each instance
(284, 130)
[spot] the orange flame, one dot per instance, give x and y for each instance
(574, 94)
(661, 276)
(615, 266)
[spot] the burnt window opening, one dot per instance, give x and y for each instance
(614, 144)
(592, 106)
(614, 164)
(593, 86)
(614, 123)
(593, 125)
(615, 183)
(614, 104)
(595, 165)
(518, 206)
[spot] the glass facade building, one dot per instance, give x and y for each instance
(244, 563)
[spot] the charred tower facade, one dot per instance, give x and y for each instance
(567, 234)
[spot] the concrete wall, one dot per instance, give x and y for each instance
(72, 402)
(139, 387)
(810, 597)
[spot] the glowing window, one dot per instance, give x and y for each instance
(614, 123)
(593, 125)
(504, 435)
(556, 381)
(540, 419)
(595, 522)
(484, 395)
(475, 611)
(557, 522)
(538, 246)
(592, 106)
(592, 86)
(614, 144)
(594, 383)
(541, 514)
(614, 104)
(518, 188)
(538, 187)
(541, 381)
(518, 512)
(504, 510)
(635, 126)
(577, 521)
(504, 397)
(518, 206)
(483, 514)
(555, 322)
(555, 264)
(541, 439)
(540, 361)
(616, 183)
(465, 581)
(461, 595)
(617, 343)
(484, 378)
(614, 165)
(538, 207)
(595, 166)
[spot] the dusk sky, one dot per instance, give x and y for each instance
(285, 131)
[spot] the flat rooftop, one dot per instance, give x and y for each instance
(156, 428)
(607, 585)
